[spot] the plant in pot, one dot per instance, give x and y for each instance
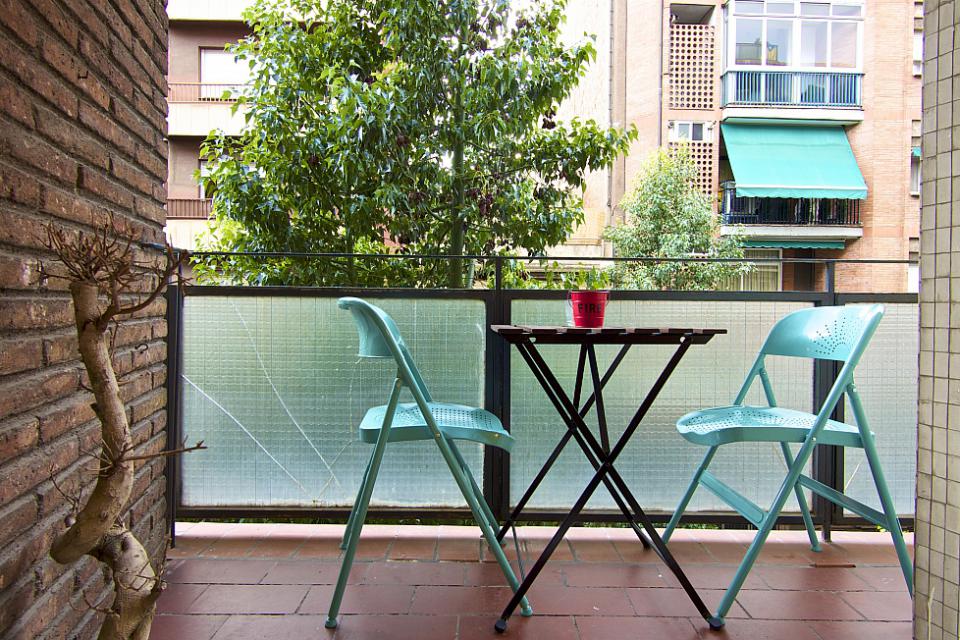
(588, 301)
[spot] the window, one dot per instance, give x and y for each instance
(806, 35)
(779, 33)
(915, 175)
(749, 36)
(221, 71)
(913, 269)
(813, 44)
(204, 172)
(690, 131)
(763, 276)
(918, 52)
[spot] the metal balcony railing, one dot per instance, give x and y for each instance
(202, 92)
(792, 89)
(189, 208)
(790, 211)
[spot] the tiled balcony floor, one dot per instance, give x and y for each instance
(273, 581)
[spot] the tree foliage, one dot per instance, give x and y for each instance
(668, 217)
(424, 125)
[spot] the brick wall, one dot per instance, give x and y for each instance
(937, 591)
(82, 126)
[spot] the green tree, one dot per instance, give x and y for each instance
(667, 216)
(429, 124)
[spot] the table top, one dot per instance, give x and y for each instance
(603, 335)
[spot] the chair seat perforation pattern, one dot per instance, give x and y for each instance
(723, 425)
(456, 421)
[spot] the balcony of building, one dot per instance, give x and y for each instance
(792, 89)
(207, 10)
(197, 108)
(827, 219)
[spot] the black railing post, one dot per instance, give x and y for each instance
(174, 297)
(496, 462)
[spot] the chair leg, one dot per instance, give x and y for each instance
(487, 511)
(359, 514)
(886, 500)
(481, 513)
(802, 501)
(353, 511)
(763, 531)
(685, 500)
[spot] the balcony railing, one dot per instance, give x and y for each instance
(792, 89)
(201, 92)
(189, 208)
(790, 211)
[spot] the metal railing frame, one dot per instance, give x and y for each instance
(827, 461)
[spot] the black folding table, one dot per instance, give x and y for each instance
(599, 453)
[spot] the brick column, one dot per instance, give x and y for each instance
(937, 593)
(82, 135)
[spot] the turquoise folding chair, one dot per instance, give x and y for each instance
(829, 333)
(422, 419)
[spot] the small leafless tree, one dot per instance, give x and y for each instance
(108, 282)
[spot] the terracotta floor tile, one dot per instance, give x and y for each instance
(215, 571)
(277, 547)
(595, 551)
(367, 627)
(536, 627)
(373, 546)
(618, 575)
(174, 627)
(579, 601)
(189, 547)
(311, 572)
(413, 549)
(459, 549)
(249, 599)
(325, 548)
(796, 605)
(361, 598)
(882, 578)
(759, 630)
(882, 605)
(712, 576)
(811, 578)
(177, 598)
(607, 628)
(676, 603)
(531, 550)
(725, 552)
(460, 600)
(231, 547)
(862, 630)
(414, 573)
(489, 574)
(273, 628)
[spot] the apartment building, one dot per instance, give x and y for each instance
(804, 118)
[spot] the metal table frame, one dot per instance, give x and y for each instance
(599, 453)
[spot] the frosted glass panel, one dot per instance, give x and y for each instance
(658, 463)
(887, 381)
(274, 387)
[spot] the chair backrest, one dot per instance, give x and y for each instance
(822, 333)
(825, 333)
(380, 338)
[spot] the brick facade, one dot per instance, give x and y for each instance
(82, 126)
(937, 592)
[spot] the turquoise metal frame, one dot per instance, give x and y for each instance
(380, 338)
(829, 333)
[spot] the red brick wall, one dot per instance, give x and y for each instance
(82, 126)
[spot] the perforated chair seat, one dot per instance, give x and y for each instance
(741, 423)
(456, 421)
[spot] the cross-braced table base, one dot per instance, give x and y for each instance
(599, 453)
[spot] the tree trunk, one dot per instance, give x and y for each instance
(97, 530)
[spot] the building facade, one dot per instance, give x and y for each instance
(804, 118)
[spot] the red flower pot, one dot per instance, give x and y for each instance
(588, 308)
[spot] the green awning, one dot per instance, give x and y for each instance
(775, 161)
(794, 244)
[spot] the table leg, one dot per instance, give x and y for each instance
(606, 468)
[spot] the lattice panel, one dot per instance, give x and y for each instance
(702, 154)
(692, 77)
